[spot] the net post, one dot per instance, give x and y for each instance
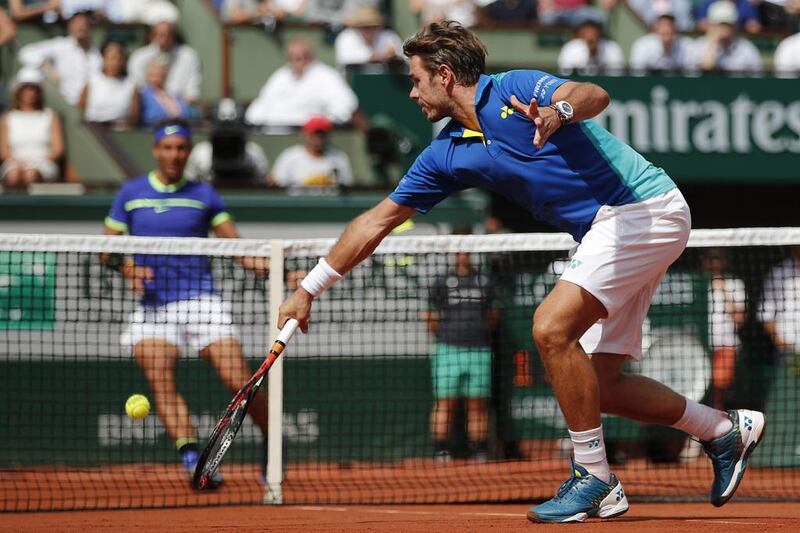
(273, 493)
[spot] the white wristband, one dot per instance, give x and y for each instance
(320, 279)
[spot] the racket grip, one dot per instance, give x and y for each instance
(288, 331)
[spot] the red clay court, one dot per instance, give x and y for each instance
(673, 518)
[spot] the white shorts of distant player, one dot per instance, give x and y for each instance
(621, 261)
(192, 324)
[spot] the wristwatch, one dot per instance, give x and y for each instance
(564, 111)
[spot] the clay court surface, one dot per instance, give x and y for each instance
(673, 518)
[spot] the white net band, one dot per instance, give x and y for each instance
(700, 238)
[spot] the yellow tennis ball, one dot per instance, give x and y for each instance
(137, 406)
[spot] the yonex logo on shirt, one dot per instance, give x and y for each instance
(505, 111)
(575, 263)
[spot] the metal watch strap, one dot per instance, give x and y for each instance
(563, 118)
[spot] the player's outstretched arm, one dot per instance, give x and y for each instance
(358, 241)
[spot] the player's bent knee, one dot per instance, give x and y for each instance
(550, 339)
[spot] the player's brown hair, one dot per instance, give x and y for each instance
(449, 43)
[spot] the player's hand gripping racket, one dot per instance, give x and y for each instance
(227, 427)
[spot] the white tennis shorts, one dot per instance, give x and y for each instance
(192, 324)
(621, 262)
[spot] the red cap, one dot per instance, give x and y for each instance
(315, 124)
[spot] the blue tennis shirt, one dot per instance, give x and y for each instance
(580, 168)
(146, 207)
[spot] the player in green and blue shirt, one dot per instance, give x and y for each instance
(178, 307)
(527, 135)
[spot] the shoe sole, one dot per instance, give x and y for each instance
(741, 465)
(578, 517)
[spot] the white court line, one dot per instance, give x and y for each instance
(513, 515)
(403, 511)
(713, 521)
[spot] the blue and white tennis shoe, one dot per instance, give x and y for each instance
(580, 497)
(729, 453)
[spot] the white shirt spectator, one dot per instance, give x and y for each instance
(787, 56)
(108, 99)
(352, 49)
(740, 56)
(463, 11)
(286, 100)
(72, 63)
(198, 167)
(650, 10)
(184, 69)
(299, 171)
(780, 301)
(721, 300)
(29, 135)
(647, 53)
(575, 55)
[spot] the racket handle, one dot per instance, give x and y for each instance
(288, 331)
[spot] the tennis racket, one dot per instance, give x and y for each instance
(227, 427)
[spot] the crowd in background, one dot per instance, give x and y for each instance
(163, 78)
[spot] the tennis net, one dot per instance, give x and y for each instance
(418, 382)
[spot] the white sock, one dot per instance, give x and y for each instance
(589, 450)
(703, 422)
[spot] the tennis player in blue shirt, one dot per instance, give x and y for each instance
(527, 135)
(179, 307)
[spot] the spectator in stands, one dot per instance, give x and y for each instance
(116, 11)
(779, 309)
(110, 95)
(22, 10)
(509, 11)
(31, 139)
(787, 57)
(463, 11)
(266, 12)
(651, 10)
(332, 13)
(302, 89)
(8, 30)
(313, 166)
(792, 10)
(663, 49)
(726, 315)
(572, 13)
(149, 12)
(367, 41)
(155, 102)
(721, 48)
(228, 158)
(67, 61)
(746, 15)
(461, 315)
(590, 52)
(183, 79)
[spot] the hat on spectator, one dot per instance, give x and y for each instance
(723, 12)
(317, 124)
(365, 17)
(28, 76)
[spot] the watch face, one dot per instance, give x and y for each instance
(566, 108)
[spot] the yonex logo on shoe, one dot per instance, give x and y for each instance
(748, 423)
(620, 494)
(594, 444)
